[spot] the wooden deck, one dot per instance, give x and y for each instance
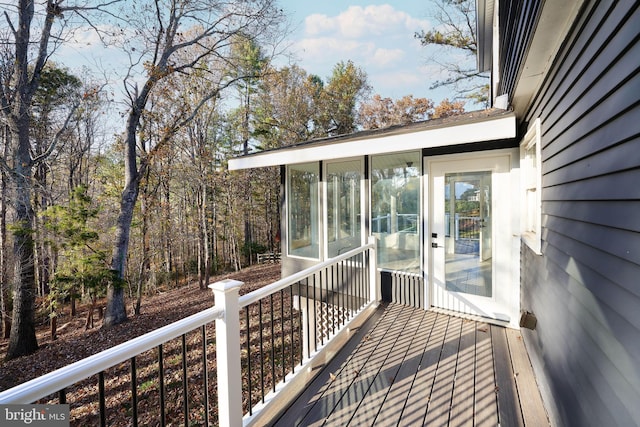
(410, 367)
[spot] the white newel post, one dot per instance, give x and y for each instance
(229, 372)
(373, 269)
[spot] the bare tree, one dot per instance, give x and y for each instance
(32, 34)
(157, 34)
(456, 35)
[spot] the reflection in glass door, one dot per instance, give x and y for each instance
(467, 217)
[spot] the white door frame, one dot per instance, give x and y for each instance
(504, 304)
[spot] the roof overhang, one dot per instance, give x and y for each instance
(554, 24)
(481, 126)
(484, 31)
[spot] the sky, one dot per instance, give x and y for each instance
(377, 36)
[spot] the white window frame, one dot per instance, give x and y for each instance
(531, 188)
(325, 203)
(314, 215)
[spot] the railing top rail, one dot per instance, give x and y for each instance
(57, 380)
(265, 291)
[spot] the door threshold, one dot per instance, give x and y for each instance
(475, 317)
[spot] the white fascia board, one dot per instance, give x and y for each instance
(491, 129)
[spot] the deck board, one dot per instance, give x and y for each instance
(485, 403)
(508, 406)
(416, 367)
(398, 394)
(416, 404)
(528, 392)
(440, 400)
(463, 388)
(365, 375)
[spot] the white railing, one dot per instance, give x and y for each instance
(465, 227)
(226, 314)
(62, 378)
(398, 223)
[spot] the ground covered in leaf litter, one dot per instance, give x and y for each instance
(75, 343)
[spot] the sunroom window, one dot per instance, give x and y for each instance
(395, 210)
(302, 219)
(344, 219)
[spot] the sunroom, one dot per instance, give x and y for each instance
(441, 197)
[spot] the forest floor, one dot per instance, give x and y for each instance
(74, 342)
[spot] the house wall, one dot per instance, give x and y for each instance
(585, 287)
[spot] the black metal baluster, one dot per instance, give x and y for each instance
(315, 317)
(134, 392)
(205, 375)
(161, 385)
(273, 346)
(249, 385)
(62, 396)
(361, 279)
(101, 397)
(354, 280)
(346, 298)
(284, 364)
(334, 277)
(320, 328)
(261, 352)
(306, 301)
(340, 291)
(352, 285)
(291, 321)
(185, 391)
(328, 278)
(344, 288)
(300, 321)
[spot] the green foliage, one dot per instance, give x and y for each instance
(253, 248)
(82, 265)
(56, 84)
(346, 87)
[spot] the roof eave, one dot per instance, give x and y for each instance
(493, 127)
(484, 31)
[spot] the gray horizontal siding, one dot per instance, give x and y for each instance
(614, 214)
(585, 288)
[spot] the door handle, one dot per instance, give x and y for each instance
(435, 245)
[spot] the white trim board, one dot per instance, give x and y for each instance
(489, 129)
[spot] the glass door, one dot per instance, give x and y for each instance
(467, 229)
(467, 216)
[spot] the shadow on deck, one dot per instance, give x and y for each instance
(407, 366)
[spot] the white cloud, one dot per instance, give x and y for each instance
(358, 21)
(378, 38)
(317, 24)
(387, 57)
(322, 49)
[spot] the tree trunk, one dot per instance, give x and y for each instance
(116, 311)
(23, 339)
(205, 232)
(54, 327)
(145, 262)
(5, 323)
